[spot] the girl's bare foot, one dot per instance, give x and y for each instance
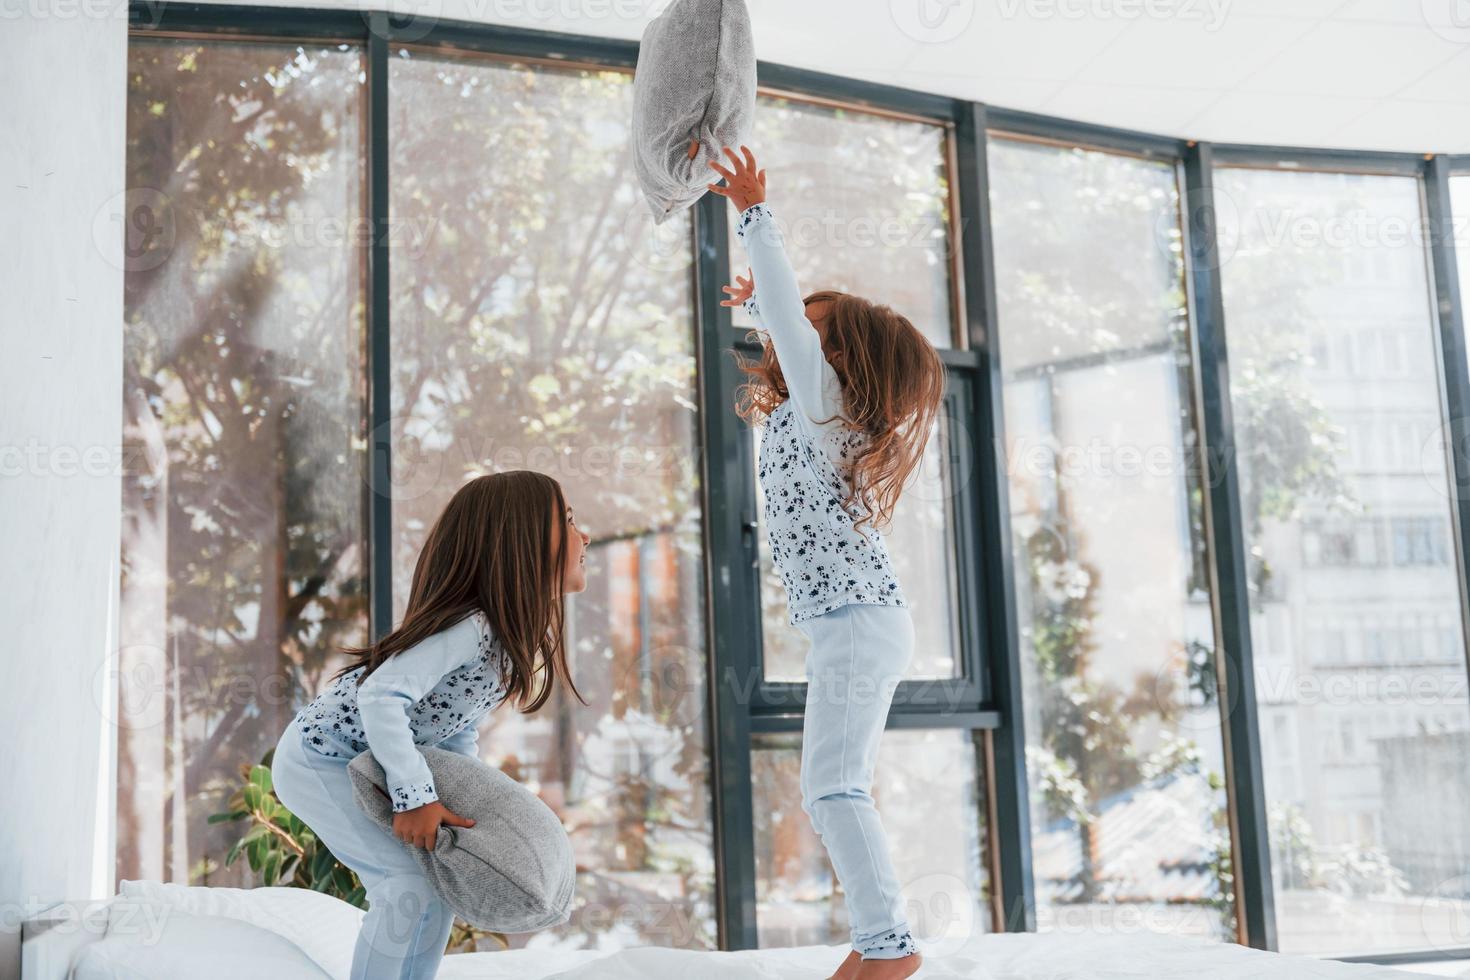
(849, 967)
(904, 966)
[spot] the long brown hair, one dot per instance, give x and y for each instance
(892, 386)
(498, 548)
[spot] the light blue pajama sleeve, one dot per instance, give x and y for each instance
(777, 304)
(389, 693)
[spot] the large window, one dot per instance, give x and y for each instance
(539, 326)
(242, 533)
(1355, 597)
(1123, 735)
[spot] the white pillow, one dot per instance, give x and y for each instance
(323, 927)
(695, 80)
(180, 945)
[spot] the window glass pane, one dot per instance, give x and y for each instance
(1124, 745)
(921, 542)
(1356, 604)
(242, 516)
(538, 325)
(863, 204)
(928, 791)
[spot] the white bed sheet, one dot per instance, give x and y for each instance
(996, 957)
(325, 930)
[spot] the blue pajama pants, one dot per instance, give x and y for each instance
(858, 654)
(407, 924)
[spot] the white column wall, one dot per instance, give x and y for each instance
(62, 143)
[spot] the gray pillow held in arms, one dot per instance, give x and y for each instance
(513, 871)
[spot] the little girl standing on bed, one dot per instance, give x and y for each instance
(484, 617)
(848, 390)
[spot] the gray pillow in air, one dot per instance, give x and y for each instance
(695, 80)
(512, 871)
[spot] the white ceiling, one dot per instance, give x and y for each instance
(1361, 74)
(1357, 74)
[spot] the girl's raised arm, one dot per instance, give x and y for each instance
(777, 295)
(387, 696)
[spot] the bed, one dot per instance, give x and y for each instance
(163, 931)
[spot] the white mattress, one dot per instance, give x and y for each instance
(998, 957)
(320, 932)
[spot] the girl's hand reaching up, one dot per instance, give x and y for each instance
(738, 295)
(746, 185)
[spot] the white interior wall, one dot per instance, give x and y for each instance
(62, 133)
